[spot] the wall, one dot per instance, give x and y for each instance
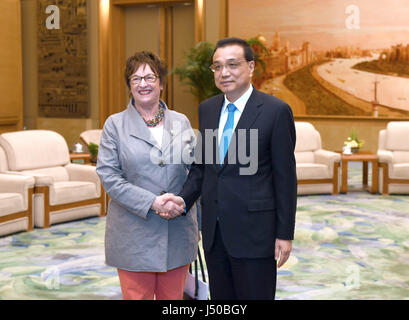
(137, 19)
(147, 18)
(183, 28)
(334, 131)
(212, 23)
(70, 129)
(11, 83)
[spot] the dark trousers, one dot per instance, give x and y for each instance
(239, 278)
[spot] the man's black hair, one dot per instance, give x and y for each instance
(248, 51)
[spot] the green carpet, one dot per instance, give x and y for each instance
(353, 246)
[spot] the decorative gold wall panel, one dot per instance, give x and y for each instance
(11, 83)
(63, 60)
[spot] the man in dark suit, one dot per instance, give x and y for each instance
(248, 209)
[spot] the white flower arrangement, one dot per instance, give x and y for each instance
(353, 143)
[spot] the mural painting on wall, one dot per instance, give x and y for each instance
(62, 58)
(330, 57)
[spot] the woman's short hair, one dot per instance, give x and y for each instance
(157, 65)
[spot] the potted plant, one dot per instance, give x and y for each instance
(93, 150)
(353, 143)
(197, 74)
(260, 50)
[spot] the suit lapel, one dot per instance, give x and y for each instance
(213, 124)
(250, 113)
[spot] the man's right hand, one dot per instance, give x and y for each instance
(168, 206)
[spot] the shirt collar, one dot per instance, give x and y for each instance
(240, 103)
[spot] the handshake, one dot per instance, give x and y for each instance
(168, 206)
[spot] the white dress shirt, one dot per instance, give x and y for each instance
(240, 103)
(157, 133)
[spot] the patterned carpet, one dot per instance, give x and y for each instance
(353, 246)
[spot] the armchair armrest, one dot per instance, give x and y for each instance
(10, 183)
(328, 158)
(385, 156)
(81, 172)
(15, 183)
(40, 179)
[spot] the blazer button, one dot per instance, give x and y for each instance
(162, 193)
(161, 164)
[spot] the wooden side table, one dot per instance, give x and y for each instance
(81, 156)
(364, 157)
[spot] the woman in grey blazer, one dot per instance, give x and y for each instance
(144, 154)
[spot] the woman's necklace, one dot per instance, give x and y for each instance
(158, 117)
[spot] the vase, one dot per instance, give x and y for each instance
(355, 150)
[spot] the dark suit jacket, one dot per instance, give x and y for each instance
(255, 209)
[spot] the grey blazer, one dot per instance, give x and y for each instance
(134, 170)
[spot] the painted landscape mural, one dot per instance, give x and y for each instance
(330, 57)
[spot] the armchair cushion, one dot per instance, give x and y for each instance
(400, 171)
(307, 171)
(397, 136)
(91, 136)
(72, 191)
(32, 149)
(308, 139)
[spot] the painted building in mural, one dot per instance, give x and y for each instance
(281, 58)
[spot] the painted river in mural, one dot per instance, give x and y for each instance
(392, 91)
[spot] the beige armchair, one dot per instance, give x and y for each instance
(89, 136)
(393, 157)
(63, 191)
(16, 194)
(317, 169)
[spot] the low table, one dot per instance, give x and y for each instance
(81, 156)
(364, 157)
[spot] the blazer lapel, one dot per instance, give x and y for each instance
(170, 130)
(138, 128)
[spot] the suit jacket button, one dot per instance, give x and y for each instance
(161, 164)
(162, 192)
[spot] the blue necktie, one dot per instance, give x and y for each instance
(227, 132)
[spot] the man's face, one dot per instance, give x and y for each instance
(233, 74)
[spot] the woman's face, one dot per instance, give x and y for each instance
(145, 93)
